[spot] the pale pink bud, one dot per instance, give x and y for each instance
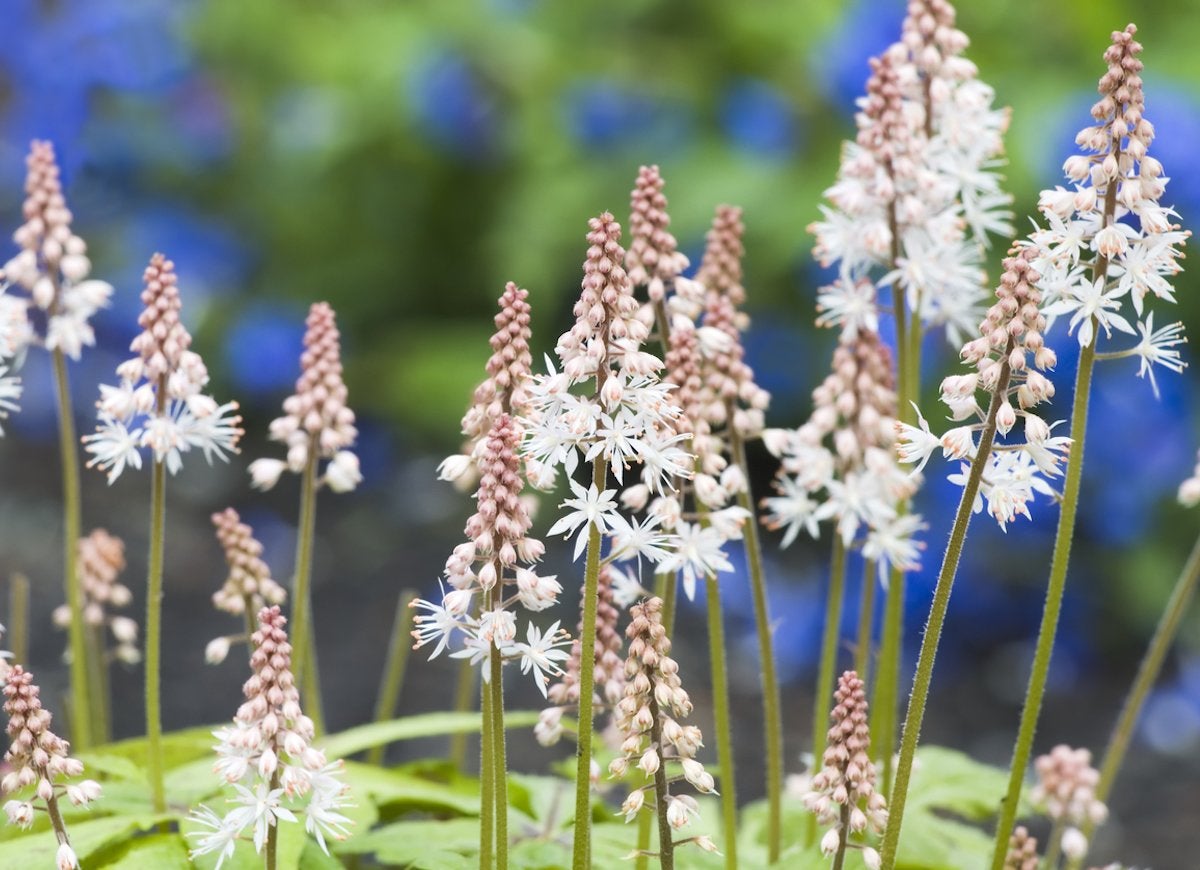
(264, 473)
(1006, 417)
(831, 841)
(217, 650)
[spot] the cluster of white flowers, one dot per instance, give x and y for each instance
(1010, 358)
(268, 757)
(840, 465)
(158, 403)
(52, 267)
(917, 191)
(488, 564)
(1109, 243)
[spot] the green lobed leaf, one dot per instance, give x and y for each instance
(38, 848)
(160, 851)
(422, 845)
(354, 740)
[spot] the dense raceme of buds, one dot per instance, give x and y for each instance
(609, 673)
(1012, 352)
(37, 761)
(1066, 791)
(1110, 240)
(843, 792)
(1022, 851)
(653, 260)
(647, 718)
(840, 464)
(52, 266)
(248, 587)
(268, 757)
(316, 423)
(101, 561)
(916, 193)
(159, 403)
(503, 391)
(496, 558)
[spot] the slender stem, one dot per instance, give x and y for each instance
(829, 646)
(97, 667)
(839, 857)
(1147, 675)
(269, 857)
(645, 827)
(18, 617)
(487, 809)
(393, 675)
(463, 693)
(581, 855)
(499, 759)
(937, 617)
(721, 716)
(666, 587)
(313, 707)
(866, 621)
(887, 682)
(56, 821)
(666, 847)
(1050, 614)
(81, 710)
(301, 596)
(154, 594)
(1054, 844)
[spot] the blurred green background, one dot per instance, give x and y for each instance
(402, 160)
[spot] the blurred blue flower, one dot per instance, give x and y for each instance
(262, 349)
(1170, 722)
(452, 106)
(759, 119)
(604, 115)
(839, 64)
(771, 344)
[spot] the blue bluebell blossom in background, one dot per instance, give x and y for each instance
(759, 120)
(839, 66)
(451, 105)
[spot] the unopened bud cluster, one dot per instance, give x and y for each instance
(647, 717)
(101, 561)
(843, 792)
(1066, 791)
(1022, 851)
(248, 588)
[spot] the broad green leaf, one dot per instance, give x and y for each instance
(548, 800)
(402, 792)
(111, 765)
(178, 747)
(88, 838)
(423, 845)
(189, 784)
(411, 727)
(312, 858)
(160, 851)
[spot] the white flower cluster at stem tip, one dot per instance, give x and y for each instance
(917, 192)
(159, 403)
(490, 565)
(52, 267)
(1109, 245)
(268, 757)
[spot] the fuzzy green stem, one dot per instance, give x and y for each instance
(1147, 675)
(81, 708)
(886, 692)
(463, 693)
(645, 828)
(154, 594)
(772, 718)
(829, 645)
(937, 617)
(1054, 844)
(98, 685)
(301, 595)
(581, 854)
(839, 857)
(393, 675)
(666, 587)
(721, 717)
(314, 708)
(499, 754)
(56, 821)
(866, 621)
(1050, 614)
(487, 800)
(666, 846)
(18, 617)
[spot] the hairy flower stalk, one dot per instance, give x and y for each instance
(101, 559)
(316, 425)
(1010, 334)
(38, 764)
(1108, 240)
(916, 196)
(496, 561)
(248, 587)
(52, 267)
(159, 405)
(843, 792)
(647, 717)
(623, 421)
(268, 757)
(1150, 667)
